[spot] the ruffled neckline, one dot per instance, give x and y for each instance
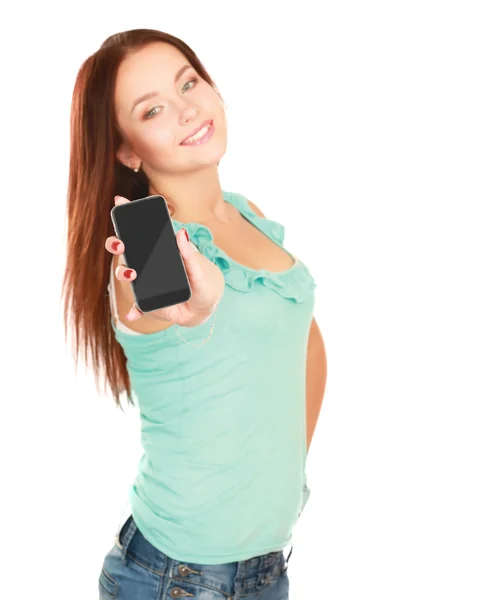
(295, 283)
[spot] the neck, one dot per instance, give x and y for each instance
(195, 197)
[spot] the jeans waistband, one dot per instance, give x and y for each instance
(128, 528)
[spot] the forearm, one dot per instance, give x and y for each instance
(316, 379)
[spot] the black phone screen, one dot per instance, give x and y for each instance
(146, 229)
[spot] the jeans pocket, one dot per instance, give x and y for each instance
(107, 586)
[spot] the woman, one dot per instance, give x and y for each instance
(222, 479)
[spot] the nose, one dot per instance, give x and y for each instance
(188, 113)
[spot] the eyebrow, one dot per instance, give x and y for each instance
(151, 94)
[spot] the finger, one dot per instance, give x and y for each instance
(190, 259)
(121, 200)
(124, 273)
(134, 314)
(114, 245)
(187, 248)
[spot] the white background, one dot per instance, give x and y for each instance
(355, 125)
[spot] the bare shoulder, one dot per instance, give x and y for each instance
(256, 209)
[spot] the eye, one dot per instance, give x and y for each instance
(194, 80)
(148, 115)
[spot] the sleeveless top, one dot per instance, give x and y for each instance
(223, 425)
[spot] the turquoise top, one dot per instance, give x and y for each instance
(222, 477)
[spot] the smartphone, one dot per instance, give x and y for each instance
(146, 230)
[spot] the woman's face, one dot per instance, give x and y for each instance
(154, 128)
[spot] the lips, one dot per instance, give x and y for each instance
(204, 124)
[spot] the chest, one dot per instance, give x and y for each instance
(247, 245)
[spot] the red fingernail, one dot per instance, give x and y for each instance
(186, 233)
(128, 272)
(115, 245)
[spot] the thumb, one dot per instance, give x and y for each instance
(204, 277)
(189, 254)
(185, 246)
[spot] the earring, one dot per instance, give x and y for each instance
(136, 169)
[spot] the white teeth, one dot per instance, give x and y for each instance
(198, 135)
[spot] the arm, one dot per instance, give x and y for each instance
(316, 368)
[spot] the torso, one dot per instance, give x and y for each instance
(247, 245)
(240, 240)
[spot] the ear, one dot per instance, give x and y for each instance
(126, 156)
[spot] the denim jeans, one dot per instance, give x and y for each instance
(135, 570)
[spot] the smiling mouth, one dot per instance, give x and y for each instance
(201, 136)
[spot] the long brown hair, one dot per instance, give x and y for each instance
(95, 177)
